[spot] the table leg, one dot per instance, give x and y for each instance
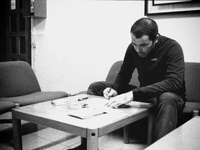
(17, 137)
(126, 134)
(92, 139)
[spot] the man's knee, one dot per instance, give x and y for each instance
(93, 85)
(168, 98)
(96, 88)
(93, 88)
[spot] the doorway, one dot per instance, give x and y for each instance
(15, 32)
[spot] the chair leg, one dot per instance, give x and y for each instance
(150, 126)
(126, 134)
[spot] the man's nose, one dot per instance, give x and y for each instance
(138, 49)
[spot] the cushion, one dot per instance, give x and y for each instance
(6, 106)
(35, 97)
(17, 78)
(112, 74)
(192, 81)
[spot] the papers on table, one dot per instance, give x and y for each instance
(86, 113)
(83, 107)
(96, 106)
(63, 101)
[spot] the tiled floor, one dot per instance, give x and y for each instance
(44, 138)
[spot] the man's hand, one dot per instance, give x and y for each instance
(119, 100)
(109, 92)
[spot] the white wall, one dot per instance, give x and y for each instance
(80, 39)
(185, 30)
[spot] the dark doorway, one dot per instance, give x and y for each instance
(15, 32)
(3, 31)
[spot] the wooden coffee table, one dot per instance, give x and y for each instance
(92, 128)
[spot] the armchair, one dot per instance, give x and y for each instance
(19, 86)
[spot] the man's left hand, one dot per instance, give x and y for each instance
(121, 99)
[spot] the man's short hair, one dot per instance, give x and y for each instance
(145, 26)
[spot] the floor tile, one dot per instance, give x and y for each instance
(52, 134)
(57, 136)
(31, 142)
(114, 141)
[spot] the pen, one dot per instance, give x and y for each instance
(109, 92)
(81, 99)
(101, 113)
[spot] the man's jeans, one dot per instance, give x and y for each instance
(166, 112)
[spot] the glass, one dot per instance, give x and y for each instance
(12, 4)
(13, 23)
(31, 6)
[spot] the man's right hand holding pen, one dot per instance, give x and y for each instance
(117, 100)
(109, 92)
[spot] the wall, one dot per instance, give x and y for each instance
(80, 39)
(186, 30)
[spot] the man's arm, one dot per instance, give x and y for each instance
(125, 73)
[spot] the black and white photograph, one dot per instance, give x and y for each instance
(100, 75)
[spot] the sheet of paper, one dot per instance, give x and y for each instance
(96, 106)
(100, 103)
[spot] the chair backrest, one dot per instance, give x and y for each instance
(112, 74)
(192, 81)
(17, 78)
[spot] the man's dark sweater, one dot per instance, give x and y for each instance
(161, 71)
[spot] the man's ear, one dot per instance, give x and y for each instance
(156, 39)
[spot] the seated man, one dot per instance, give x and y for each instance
(160, 64)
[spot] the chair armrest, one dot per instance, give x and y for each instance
(195, 112)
